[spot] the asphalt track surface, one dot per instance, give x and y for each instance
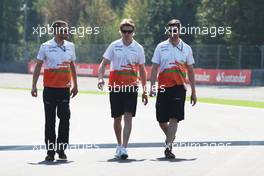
(213, 140)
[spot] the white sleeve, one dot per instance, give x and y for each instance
(156, 56)
(141, 56)
(41, 53)
(108, 54)
(73, 53)
(190, 59)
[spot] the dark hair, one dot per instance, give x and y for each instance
(56, 25)
(174, 22)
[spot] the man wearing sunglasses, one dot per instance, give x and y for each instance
(175, 60)
(58, 56)
(127, 58)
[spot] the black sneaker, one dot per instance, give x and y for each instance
(62, 155)
(168, 154)
(49, 158)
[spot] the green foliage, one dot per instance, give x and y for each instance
(152, 16)
(245, 18)
(97, 14)
(11, 27)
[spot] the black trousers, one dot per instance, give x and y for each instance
(56, 101)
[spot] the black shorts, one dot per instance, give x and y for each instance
(170, 104)
(123, 101)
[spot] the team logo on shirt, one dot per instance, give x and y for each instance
(127, 76)
(176, 67)
(118, 48)
(129, 69)
(52, 50)
(133, 50)
(164, 48)
(174, 75)
(62, 67)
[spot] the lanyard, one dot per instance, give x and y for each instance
(180, 48)
(63, 48)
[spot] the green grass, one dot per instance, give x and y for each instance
(82, 92)
(242, 103)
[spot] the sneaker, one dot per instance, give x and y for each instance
(62, 155)
(168, 152)
(118, 151)
(49, 158)
(123, 154)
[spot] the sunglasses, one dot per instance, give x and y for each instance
(127, 31)
(175, 31)
(63, 31)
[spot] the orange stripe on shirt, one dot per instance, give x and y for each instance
(123, 77)
(59, 77)
(172, 76)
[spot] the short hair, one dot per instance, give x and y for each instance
(56, 25)
(127, 22)
(174, 22)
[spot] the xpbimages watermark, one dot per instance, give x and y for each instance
(213, 31)
(57, 147)
(80, 31)
(116, 88)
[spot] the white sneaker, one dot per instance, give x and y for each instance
(118, 151)
(123, 153)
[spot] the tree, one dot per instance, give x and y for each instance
(245, 18)
(137, 10)
(10, 25)
(118, 4)
(152, 17)
(97, 14)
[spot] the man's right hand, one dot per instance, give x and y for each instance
(100, 84)
(34, 91)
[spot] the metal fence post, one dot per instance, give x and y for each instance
(218, 56)
(239, 56)
(25, 30)
(262, 57)
(196, 55)
(2, 57)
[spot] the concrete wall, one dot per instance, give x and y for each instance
(21, 67)
(257, 77)
(13, 67)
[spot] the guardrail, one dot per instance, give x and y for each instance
(202, 76)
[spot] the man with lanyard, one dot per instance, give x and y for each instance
(175, 60)
(126, 57)
(58, 56)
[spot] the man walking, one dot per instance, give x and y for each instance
(175, 59)
(58, 56)
(126, 57)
